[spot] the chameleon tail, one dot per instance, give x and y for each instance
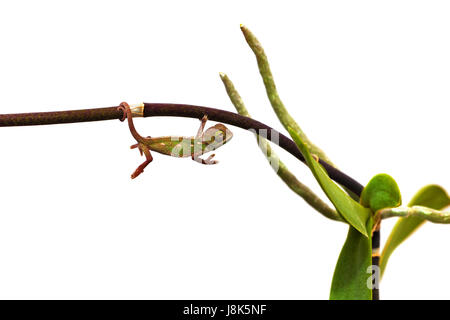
(128, 115)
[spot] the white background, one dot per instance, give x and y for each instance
(369, 82)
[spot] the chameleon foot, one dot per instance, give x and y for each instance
(139, 169)
(144, 150)
(134, 146)
(206, 161)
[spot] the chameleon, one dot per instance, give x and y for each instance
(177, 146)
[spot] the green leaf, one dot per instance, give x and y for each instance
(431, 196)
(381, 192)
(353, 269)
(355, 214)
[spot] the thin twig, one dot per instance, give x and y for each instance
(435, 216)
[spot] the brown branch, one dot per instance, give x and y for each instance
(72, 116)
(174, 110)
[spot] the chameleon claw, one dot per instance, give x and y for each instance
(136, 173)
(134, 146)
(149, 158)
(209, 160)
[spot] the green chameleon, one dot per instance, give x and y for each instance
(175, 146)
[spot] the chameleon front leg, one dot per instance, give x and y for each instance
(205, 161)
(202, 127)
(199, 139)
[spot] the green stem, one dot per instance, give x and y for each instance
(281, 169)
(272, 93)
(429, 214)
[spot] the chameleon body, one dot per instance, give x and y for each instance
(177, 146)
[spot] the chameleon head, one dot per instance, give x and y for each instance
(218, 134)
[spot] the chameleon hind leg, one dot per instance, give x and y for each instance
(148, 158)
(134, 146)
(198, 138)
